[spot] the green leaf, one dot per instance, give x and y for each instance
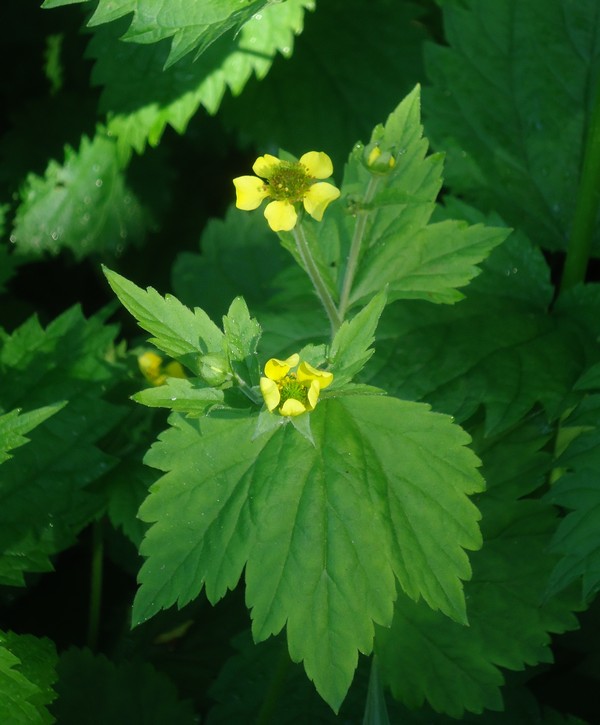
(27, 673)
(83, 204)
(242, 332)
(578, 491)
(143, 100)
(381, 495)
(44, 499)
(90, 686)
(192, 397)
(349, 68)
(178, 331)
(426, 657)
(191, 27)
(510, 102)
(351, 347)
(14, 425)
(494, 350)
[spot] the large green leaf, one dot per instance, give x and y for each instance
(323, 529)
(94, 690)
(83, 204)
(44, 500)
(27, 673)
(144, 99)
(426, 657)
(192, 26)
(511, 102)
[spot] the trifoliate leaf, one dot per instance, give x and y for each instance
(43, 485)
(578, 490)
(14, 425)
(350, 66)
(178, 331)
(426, 657)
(82, 204)
(514, 135)
(351, 347)
(130, 692)
(381, 495)
(27, 673)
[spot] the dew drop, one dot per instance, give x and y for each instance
(99, 183)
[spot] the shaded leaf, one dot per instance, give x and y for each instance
(14, 425)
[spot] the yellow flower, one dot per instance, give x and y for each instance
(292, 391)
(155, 372)
(287, 183)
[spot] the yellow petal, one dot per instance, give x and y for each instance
(313, 394)
(249, 192)
(292, 407)
(307, 372)
(277, 369)
(149, 364)
(317, 164)
(281, 216)
(174, 370)
(265, 165)
(270, 393)
(318, 197)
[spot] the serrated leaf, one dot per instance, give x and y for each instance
(578, 490)
(492, 350)
(27, 673)
(326, 96)
(143, 100)
(426, 657)
(381, 495)
(83, 204)
(514, 134)
(351, 346)
(184, 396)
(242, 332)
(14, 425)
(131, 692)
(43, 492)
(182, 333)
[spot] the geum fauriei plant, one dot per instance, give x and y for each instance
(341, 502)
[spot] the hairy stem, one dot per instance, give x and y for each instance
(316, 278)
(588, 203)
(355, 248)
(95, 585)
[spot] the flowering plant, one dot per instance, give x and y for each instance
(346, 469)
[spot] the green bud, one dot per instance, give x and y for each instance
(376, 160)
(214, 368)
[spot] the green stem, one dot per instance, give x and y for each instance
(95, 585)
(316, 278)
(355, 248)
(275, 689)
(588, 203)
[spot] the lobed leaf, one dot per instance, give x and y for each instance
(14, 425)
(323, 530)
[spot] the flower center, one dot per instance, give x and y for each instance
(289, 387)
(289, 182)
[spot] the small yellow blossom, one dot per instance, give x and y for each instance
(287, 183)
(292, 391)
(155, 372)
(378, 161)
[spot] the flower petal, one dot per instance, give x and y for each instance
(270, 393)
(276, 369)
(265, 165)
(313, 394)
(307, 372)
(281, 216)
(318, 197)
(317, 164)
(174, 369)
(292, 407)
(249, 191)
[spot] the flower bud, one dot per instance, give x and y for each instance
(214, 368)
(378, 161)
